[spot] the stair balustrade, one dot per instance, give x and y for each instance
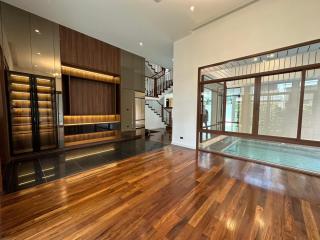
(156, 69)
(164, 113)
(158, 85)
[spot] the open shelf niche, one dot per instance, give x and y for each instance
(91, 103)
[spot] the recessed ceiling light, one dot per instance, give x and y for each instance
(141, 44)
(35, 65)
(271, 55)
(255, 59)
(38, 53)
(192, 8)
(37, 30)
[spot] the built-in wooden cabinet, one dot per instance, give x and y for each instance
(139, 74)
(82, 51)
(30, 43)
(132, 80)
(127, 110)
(38, 47)
(132, 71)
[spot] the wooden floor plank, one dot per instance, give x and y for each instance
(168, 194)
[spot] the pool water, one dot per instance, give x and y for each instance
(288, 155)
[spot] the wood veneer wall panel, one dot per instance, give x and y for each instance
(91, 97)
(80, 50)
(4, 130)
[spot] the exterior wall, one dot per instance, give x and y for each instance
(262, 26)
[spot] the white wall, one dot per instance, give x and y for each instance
(152, 120)
(262, 26)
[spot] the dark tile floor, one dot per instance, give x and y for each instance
(29, 173)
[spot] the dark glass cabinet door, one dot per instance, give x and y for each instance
(32, 113)
(20, 104)
(45, 102)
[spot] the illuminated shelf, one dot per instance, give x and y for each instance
(20, 89)
(47, 131)
(15, 134)
(19, 115)
(26, 117)
(21, 124)
(19, 79)
(25, 98)
(93, 123)
(20, 84)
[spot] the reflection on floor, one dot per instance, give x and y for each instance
(28, 173)
(168, 194)
(161, 135)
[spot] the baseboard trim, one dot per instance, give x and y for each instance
(183, 145)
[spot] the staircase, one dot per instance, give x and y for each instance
(154, 68)
(159, 82)
(164, 113)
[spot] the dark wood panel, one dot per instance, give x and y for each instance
(168, 194)
(4, 130)
(80, 50)
(256, 106)
(91, 97)
(303, 81)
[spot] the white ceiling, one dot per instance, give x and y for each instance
(125, 23)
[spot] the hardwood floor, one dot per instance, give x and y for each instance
(168, 194)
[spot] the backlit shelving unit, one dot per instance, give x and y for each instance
(21, 113)
(90, 128)
(46, 112)
(32, 112)
(86, 120)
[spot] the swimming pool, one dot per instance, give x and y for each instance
(298, 157)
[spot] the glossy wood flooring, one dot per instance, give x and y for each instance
(168, 194)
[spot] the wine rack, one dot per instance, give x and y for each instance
(46, 114)
(32, 112)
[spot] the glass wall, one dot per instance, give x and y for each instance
(261, 107)
(311, 106)
(239, 106)
(279, 105)
(212, 106)
(273, 96)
